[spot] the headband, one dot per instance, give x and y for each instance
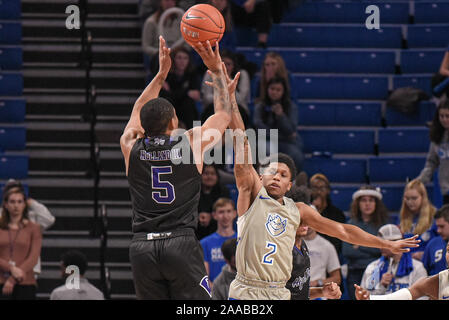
(367, 192)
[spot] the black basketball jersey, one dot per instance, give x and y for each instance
(299, 282)
(164, 195)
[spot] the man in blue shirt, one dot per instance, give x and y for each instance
(224, 212)
(434, 253)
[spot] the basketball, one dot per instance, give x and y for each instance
(202, 22)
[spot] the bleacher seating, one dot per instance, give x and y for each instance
(397, 168)
(10, 33)
(346, 12)
(13, 166)
(336, 113)
(427, 36)
(424, 113)
(431, 12)
(338, 140)
(10, 58)
(11, 83)
(408, 140)
(421, 60)
(338, 170)
(12, 138)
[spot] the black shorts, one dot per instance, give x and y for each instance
(169, 267)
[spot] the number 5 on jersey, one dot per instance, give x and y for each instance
(266, 258)
(167, 193)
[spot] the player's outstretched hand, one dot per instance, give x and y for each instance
(211, 58)
(360, 293)
(404, 245)
(164, 57)
(331, 290)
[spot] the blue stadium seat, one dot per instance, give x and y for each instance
(336, 114)
(425, 113)
(394, 169)
(392, 196)
(345, 12)
(422, 82)
(10, 9)
(338, 141)
(341, 87)
(12, 110)
(420, 36)
(11, 84)
(421, 61)
(282, 35)
(13, 166)
(341, 196)
(431, 12)
(337, 170)
(10, 33)
(10, 58)
(245, 37)
(328, 61)
(395, 140)
(12, 138)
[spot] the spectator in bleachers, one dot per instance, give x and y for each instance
(416, 216)
(220, 289)
(278, 111)
(324, 263)
(242, 92)
(20, 247)
(392, 272)
(369, 213)
(79, 289)
(253, 14)
(211, 188)
(148, 7)
(320, 186)
(151, 31)
(229, 40)
(37, 212)
(206, 225)
(273, 66)
(433, 258)
(182, 87)
(442, 75)
(438, 155)
(224, 213)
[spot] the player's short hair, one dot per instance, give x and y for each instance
(75, 258)
(221, 202)
(155, 116)
(299, 194)
(443, 212)
(228, 248)
(281, 158)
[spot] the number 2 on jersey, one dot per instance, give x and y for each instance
(168, 196)
(266, 258)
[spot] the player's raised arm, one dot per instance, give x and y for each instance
(217, 123)
(352, 234)
(246, 177)
(133, 129)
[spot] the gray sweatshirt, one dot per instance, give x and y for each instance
(438, 157)
(220, 289)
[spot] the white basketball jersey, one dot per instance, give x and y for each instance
(266, 236)
(443, 288)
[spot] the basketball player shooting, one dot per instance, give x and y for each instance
(267, 222)
(166, 257)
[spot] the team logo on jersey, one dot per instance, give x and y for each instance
(205, 284)
(275, 225)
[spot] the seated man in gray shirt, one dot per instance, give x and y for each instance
(75, 289)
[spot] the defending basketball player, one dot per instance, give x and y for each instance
(267, 222)
(435, 287)
(166, 257)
